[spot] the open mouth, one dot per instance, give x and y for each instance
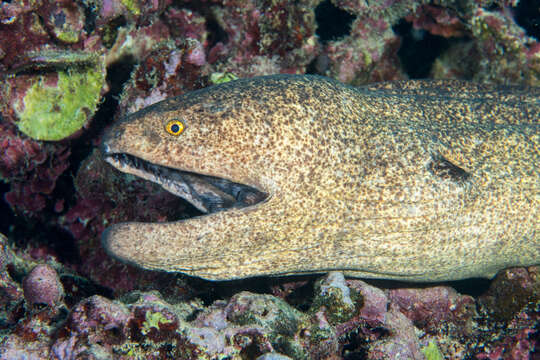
(208, 194)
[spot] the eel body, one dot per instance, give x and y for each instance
(413, 180)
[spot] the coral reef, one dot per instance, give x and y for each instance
(249, 325)
(436, 308)
(11, 299)
(69, 69)
(513, 304)
(499, 52)
(369, 52)
(264, 37)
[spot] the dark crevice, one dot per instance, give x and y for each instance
(301, 298)
(7, 217)
(419, 49)
(78, 288)
(90, 14)
(527, 14)
(61, 242)
(226, 289)
(355, 346)
(332, 22)
(20, 228)
(216, 34)
(472, 287)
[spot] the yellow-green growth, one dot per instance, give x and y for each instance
(219, 77)
(432, 352)
(56, 112)
(132, 6)
(68, 36)
(152, 320)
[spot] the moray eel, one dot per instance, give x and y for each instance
(294, 174)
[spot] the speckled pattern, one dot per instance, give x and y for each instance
(417, 180)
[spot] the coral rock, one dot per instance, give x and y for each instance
(374, 302)
(402, 342)
(436, 308)
(42, 286)
(334, 294)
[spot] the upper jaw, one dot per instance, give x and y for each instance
(208, 194)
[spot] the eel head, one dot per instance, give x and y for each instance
(199, 147)
(190, 150)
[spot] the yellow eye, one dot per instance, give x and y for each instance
(175, 127)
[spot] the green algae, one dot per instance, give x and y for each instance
(152, 320)
(333, 294)
(68, 36)
(132, 6)
(282, 321)
(55, 112)
(432, 352)
(222, 77)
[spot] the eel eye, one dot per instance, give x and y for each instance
(175, 127)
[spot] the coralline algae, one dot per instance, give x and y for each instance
(56, 106)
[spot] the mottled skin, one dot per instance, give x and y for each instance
(418, 181)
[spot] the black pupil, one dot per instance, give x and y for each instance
(175, 128)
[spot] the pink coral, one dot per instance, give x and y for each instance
(368, 54)
(499, 51)
(185, 23)
(511, 303)
(389, 333)
(264, 38)
(19, 19)
(95, 320)
(42, 286)
(19, 154)
(31, 167)
(431, 307)
(438, 21)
